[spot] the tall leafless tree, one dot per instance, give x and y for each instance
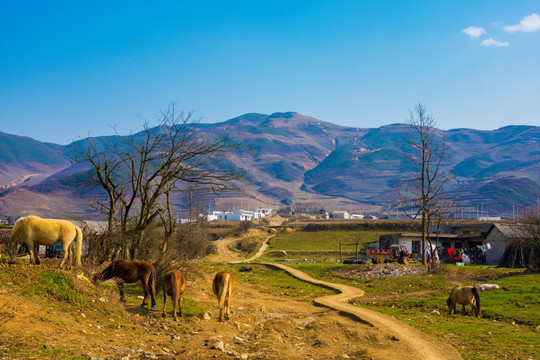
(420, 193)
(139, 172)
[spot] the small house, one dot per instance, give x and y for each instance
(495, 237)
(340, 215)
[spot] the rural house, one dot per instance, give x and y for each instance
(239, 215)
(340, 214)
(494, 236)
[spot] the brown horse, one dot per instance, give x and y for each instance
(174, 285)
(223, 287)
(464, 295)
(130, 272)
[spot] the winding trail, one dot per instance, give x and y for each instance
(417, 344)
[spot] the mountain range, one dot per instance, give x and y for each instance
(296, 159)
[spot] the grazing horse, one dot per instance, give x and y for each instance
(464, 295)
(223, 287)
(35, 231)
(174, 285)
(130, 272)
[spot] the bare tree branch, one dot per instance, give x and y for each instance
(421, 193)
(140, 171)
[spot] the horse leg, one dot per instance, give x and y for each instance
(120, 284)
(151, 288)
(180, 306)
(175, 305)
(227, 307)
(32, 253)
(70, 256)
(145, 289)
(36, 254)
(65, 249)
(474, 308)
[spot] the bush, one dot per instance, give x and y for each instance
(190, 241)
(243, 227)
(99, 247)
(248, 244)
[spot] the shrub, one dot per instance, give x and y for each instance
(243, 227)
(248, 244)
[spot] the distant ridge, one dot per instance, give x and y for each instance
(294, 158)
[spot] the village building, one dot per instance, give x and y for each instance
(492, 238)
(340, 214)
(239, 215)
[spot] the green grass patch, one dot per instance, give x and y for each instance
(272, 281)
(40, 281)
(61, 286)
(322, 240)
(279, 282)
(510, 324)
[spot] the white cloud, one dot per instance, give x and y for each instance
(492, 42)
(474, 31)
(527, 24)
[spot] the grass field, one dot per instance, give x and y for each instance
(508, 329)
(321, 240)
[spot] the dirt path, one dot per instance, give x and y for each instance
(263, 325)
(415, 344)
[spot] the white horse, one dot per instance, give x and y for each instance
(34, 230)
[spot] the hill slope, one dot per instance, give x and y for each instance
(296, 158)
(47, 313)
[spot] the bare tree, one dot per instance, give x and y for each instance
(103, 174)
(139, 172)
(420, 193)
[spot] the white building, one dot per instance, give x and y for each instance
(260, 213)
(340, 214)
(238, 215)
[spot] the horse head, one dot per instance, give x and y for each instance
(97, 278)
(12, 250)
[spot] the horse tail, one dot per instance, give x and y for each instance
(477, 298)
(78, 244)
(224, 293)
(152, 282)
(174, 287)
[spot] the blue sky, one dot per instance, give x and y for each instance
(72, 69)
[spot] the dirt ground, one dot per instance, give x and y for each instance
(262, 326)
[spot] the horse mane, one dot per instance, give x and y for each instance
(24, 219)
